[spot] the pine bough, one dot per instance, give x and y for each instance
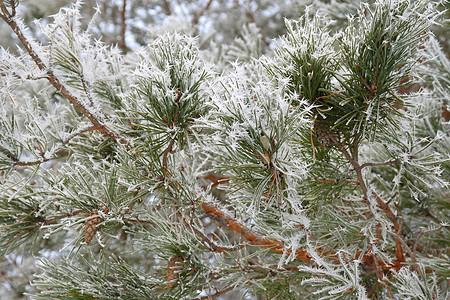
(316, 172)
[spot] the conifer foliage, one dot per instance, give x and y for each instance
(175, 171)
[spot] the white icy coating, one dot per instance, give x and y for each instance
(247, 126)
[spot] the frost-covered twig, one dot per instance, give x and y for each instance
(390, 214)
(9, 18)
(384, 206)
(165, 156)
(210, 244)
(86, 90)
(419, 237)
(42, 222)
(45, 158)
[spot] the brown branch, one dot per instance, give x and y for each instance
(123, 26)
(29, 77)
(216, 179)
(56, 82)
(265, 160)
(13, 7)
(328, 96)
(19, 234)
(390, 214)
(201, 13)
(252, 236)
(372, 90)
(324, 180)
(6, 13)
(312, 144)
(429, 214)
(131, 206)
(164, 159)
(384, 206)
(138, 221)
(166, 5)
(210, 244)
(405, 245)
(354, 162)
(350, 202)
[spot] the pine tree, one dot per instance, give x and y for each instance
(313, 167)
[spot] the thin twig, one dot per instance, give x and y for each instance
(312, 144)
(388, 288)
(20, 163)
(201, 13)
(264, 160)
(327, 96)
(386, 163)
(43, 222)
(167, 7)
(29, 77)
(13, 7)
(86, 90)
(210, 244)
(216, 179)
(368, 87)
(324, 180)
(123, 26)
(215, 295)
(164, 158)
(400, 238)
(429, 214)
(419, 237)
(390, 214)
(354, 162)
(353, 208)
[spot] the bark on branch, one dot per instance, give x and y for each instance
(252, 236)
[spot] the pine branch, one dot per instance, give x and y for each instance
(354, 162)
(45, 158)
(324, 180)
(42, 222)
(56, 82)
